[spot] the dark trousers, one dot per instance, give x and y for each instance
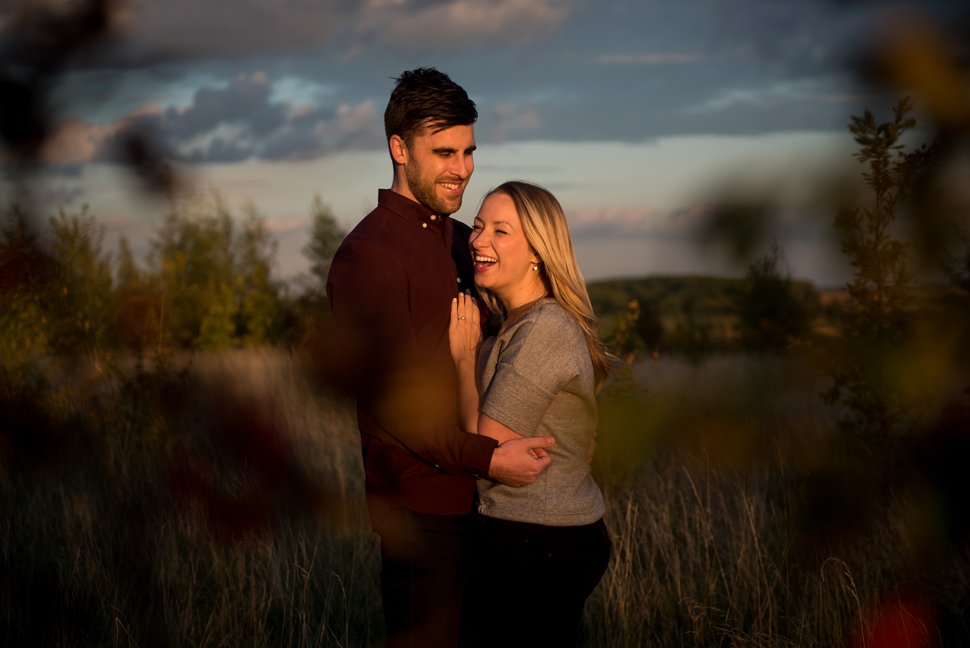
(423, 566)
(528, 583)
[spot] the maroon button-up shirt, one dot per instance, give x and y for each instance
(391, 283)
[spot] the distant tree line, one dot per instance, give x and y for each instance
(208, 282)
(695, 316)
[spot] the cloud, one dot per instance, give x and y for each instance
(448, 25)
(285, 224)
(576, 71)
(769, 96)
(795, 38)
(245, 101)
(258, 128)
(232, 123)
(189, 29)
(635, 221)
(150, 32)
(649, 58)
(222, 149)
(30, 18)
(76, 142)
(63, 196)
(314, 134)
(508, 117)
(793, 222)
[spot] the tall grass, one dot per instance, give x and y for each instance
(213, 503)
(740, 517)
(217, 501)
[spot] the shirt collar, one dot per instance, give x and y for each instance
(413, 211)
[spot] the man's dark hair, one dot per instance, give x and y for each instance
(425, 97)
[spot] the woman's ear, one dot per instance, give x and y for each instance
(399, 149)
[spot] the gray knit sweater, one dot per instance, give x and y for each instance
(536, 378)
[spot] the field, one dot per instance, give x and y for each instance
(217, 501)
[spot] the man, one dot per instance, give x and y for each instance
(391, 284)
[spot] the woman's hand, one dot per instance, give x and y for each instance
(465, 330)
(464, 336)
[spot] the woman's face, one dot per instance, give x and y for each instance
(502, 255)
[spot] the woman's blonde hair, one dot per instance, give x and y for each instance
(545, 229)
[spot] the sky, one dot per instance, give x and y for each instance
(638, 115)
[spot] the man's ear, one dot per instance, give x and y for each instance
(399, 149)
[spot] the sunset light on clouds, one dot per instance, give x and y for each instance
(634, 113)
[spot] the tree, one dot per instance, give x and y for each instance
(55, 292)
(770, 313)
(25, 273)
(634, 331)
(623, 340)
(881, 275)
(80, 296)
(693, 334)
(128, 271)
(137, 305)
(879, 296)
(192, 257)
(307, 315)
(214, 278)
(260, 313)
(325, 237)
(650, 329)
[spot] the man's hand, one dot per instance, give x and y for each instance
(519, 461)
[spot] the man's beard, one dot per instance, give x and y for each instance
(425, 194)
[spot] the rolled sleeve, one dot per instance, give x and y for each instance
(515, 401)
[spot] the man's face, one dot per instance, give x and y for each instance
(438, 168)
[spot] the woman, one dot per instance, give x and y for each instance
(540, 549)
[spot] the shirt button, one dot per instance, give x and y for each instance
(424, 225)
(459, 279)
(433, 217)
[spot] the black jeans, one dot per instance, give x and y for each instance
(528, 583)
(423, 567)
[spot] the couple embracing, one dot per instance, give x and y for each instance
(476, 451)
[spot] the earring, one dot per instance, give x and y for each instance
(535, 267)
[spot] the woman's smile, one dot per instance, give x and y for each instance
(502, 255)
